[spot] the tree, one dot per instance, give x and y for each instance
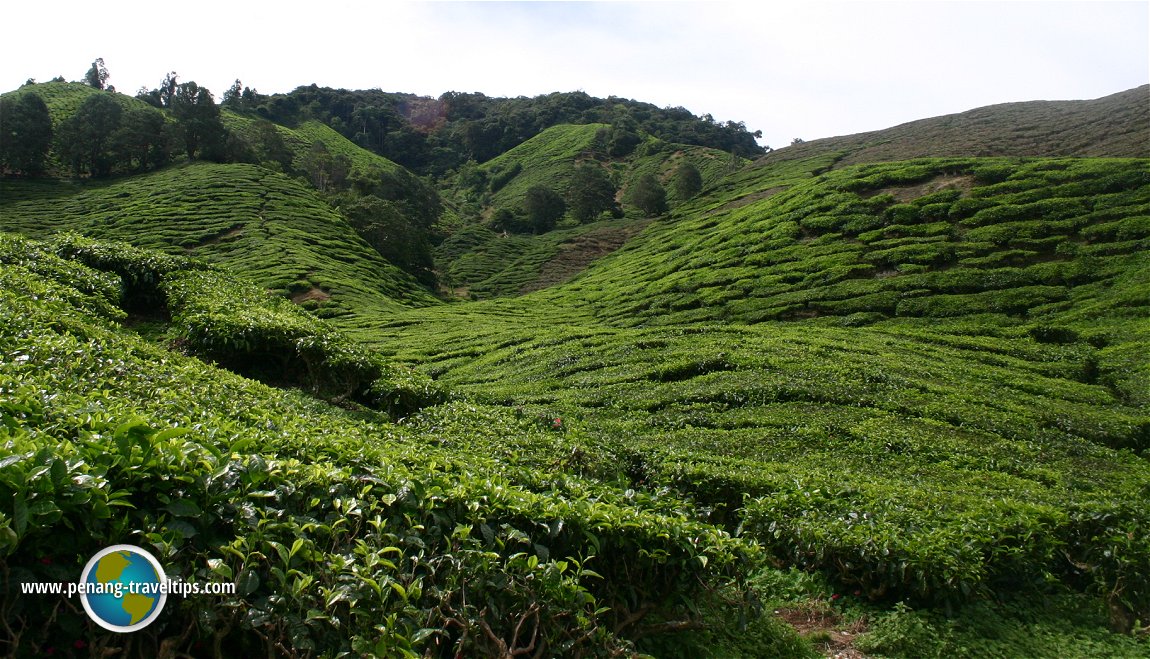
(686, 180)
(649, 196)
(240, 98)
(623, 139)
(25, 134)
(385, 226)
(544, 207)
(142, 140)
(97, 76)
(168, 88)
(84, 139)
(271, 147)
(590, 193)
(233, 96)
(199, 122)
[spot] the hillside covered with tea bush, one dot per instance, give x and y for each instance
(598, 384)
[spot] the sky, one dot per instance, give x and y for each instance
(811, 69)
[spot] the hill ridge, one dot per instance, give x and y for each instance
(1116, 125)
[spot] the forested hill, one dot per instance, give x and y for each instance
(431, 136)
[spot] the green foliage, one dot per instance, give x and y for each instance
(687, 181)
(97, 76)
(26, 134)
(648, 196)
(590, 192)
(343, 534)
(1038, 624)
(433, 136)
(198, 119)
(269, 339)
(84, 139)
(762, 253)
(386, 227)
(544, 207)
(920, 386)
(271, 229)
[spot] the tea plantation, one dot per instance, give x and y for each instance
(925, 381)
(824, 406)
(265, 225)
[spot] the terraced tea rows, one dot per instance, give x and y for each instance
(269, 227)
(345, 533)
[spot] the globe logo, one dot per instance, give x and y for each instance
(123, 588)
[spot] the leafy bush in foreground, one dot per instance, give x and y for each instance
(342, 535)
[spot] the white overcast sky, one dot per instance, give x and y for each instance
(791, 69)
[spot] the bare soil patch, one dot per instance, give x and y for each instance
(313, 293)
(907, 193)
(226, 234)
(826, 629)
(577, 253)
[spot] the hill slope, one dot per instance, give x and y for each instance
(857, 367)
(484, 262)
(269, 227)
(384, 541)
(1115, 126)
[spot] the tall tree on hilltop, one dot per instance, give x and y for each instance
(199, 121)
(168, 88)
(97, 76)
(590, 193)
(25, 134)
(240, 98)
(233, 96)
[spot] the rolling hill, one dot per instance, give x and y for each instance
(1115, 126)
(900, 392)
(483, 263)
(265, 225)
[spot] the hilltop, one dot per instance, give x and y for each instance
(1115, 126)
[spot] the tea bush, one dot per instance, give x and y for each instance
(343, 533)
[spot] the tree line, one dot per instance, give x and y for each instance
(107, 134)
(433, 136)
(110, 134)
(591, 194)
